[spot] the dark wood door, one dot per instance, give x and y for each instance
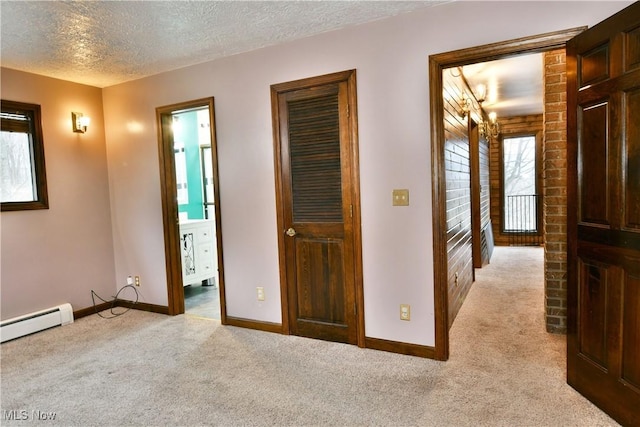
(315, 148)
(603, 129)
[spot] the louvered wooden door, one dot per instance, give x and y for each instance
(316, 208)
(603, 130)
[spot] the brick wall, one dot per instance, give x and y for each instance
(555, 190)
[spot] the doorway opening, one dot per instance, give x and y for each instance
(447, 279)
(191, 209)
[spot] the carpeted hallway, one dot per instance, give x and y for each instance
(145, 369)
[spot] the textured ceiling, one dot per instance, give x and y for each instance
(102, 43)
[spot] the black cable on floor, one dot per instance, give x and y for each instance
(113, 302)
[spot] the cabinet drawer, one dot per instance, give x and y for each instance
(205, 252)
(206, 269)
(205, 234)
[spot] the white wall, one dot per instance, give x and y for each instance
(391, 58)
(60, 254)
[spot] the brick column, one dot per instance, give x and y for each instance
(555, 190)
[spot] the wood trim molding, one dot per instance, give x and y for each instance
(439, 219)
(169, 212)
(357, 223)
(38, 171)
(142, 306)
(256, 324)
(279, 186)
(371, 343)
(173, 261)
(500, 50)
(538, 135)
(88, 311)
(437, 63)
(401, 348)
(313, 81)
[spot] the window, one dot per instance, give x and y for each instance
(23, 184)
(520, 183)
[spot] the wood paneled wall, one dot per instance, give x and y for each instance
(458, 185)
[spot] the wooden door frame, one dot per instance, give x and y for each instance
(476, 214)
(168, 191)
(349, 77)
(538, 135)
(437, 63)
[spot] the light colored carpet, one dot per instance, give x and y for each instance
(146, 369)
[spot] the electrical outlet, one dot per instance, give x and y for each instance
(401, 197)
(129, 280)
(405, 312)
(137, 280)
(456, 278)
(260, 291)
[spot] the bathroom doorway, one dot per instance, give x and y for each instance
(189, 176)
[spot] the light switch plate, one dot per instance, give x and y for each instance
(401, 197)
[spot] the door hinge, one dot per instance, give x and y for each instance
(350, 211)
(348, 111)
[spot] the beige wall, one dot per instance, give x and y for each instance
(391, 58)
(59, 254)
(83, 250)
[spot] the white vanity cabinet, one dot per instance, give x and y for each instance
(198, 249)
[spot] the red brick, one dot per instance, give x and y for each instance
(558, 116)
(555, 68)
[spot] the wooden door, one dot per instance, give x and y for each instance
(603, 129)
(316, 167)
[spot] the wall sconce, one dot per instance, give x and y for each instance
(490, 129)
(465, 104)
(481, 93)
(79, 122)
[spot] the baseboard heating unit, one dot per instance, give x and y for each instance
(35, 322)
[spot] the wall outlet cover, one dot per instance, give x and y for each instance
(401, 197)
(405, 312)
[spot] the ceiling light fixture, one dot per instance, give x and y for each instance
(79, 122)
